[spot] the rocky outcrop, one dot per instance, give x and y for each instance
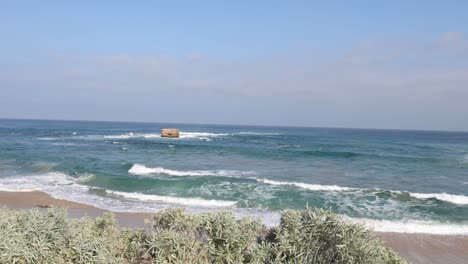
(170, 133)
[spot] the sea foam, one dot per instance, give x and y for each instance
(183, 135)
(201, 135)
(313, 187)
(63, 186)
(174, 200)
(132, 135)
(452, 198)
(138, 169)
(413, 226)
(47, 138)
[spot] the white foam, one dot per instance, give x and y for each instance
(413, 226)
(174, 200)
(124, 136)
(35, 182)
(259, 133)
(15, 189)
(47, 138)
(84, 178)
(272, 219)
(150, 135)
(313, 187)
(58, 185)
(63, 144)
(62, 186)
(201, 135)
(132, 135)
(452, 198)
(183, 135)
(138, 169)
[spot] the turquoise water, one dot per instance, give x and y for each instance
(404, 181)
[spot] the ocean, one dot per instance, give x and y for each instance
(390, 180)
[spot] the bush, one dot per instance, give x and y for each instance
(317, 236)
(308, 236)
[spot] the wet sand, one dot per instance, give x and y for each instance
(416, 248)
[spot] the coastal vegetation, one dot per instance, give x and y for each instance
(174, 236)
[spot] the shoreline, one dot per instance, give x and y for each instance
(43, 201)
(415, 247)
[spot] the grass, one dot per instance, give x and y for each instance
(306, 236)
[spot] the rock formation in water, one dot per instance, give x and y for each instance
(170, 133)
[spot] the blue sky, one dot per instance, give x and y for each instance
(377, 64)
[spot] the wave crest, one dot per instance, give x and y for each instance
(313, 187)
(138, 169)
(173, 200)
(201, 135)
(63, 186)
(452, 198)
(413, 226)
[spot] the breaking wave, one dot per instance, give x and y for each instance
(63, 186)
(451, 198)
(413, 226)
(138, 169)
(173, 200)
(313, 187)
(201, 135)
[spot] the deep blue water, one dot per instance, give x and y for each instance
(393, 180)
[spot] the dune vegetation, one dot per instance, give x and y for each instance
(306, 236)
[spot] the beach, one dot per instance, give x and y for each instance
(416, 248)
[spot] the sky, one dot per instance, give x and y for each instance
(359, 64)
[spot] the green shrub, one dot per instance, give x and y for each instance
(317, 236)
(95, 240)
(307, 236)
(216, 237)
(32, 237)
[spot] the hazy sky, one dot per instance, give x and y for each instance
(370, 64)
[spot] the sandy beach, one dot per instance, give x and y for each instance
(416, 248)
(28, 200)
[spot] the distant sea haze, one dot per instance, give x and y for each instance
(398, 181)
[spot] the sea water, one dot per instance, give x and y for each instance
(390, 180)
